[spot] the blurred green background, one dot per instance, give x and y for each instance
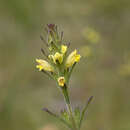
(99, 29)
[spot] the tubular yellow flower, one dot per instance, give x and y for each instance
(63, 49)
(72, 58)
(61, 81)
(58, 57)
(44, 65)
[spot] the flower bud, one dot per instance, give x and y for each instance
(63, 49)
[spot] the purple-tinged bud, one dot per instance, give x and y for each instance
(51, 26)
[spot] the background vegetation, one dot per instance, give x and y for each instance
(99, 29)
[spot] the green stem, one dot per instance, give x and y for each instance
(69, 108)
(71, 116)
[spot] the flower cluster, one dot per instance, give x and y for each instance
(57, 64)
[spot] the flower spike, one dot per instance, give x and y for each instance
(59, 66)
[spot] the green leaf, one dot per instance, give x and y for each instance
(85, 110)
(66, 118)
(77, 115)
(65, 115)
(58, 117)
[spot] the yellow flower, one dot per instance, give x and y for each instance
(58, 57)
(61, 81)
(44, 65)
(72, 58)
(63, 49)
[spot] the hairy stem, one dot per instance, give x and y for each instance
(69, 108)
